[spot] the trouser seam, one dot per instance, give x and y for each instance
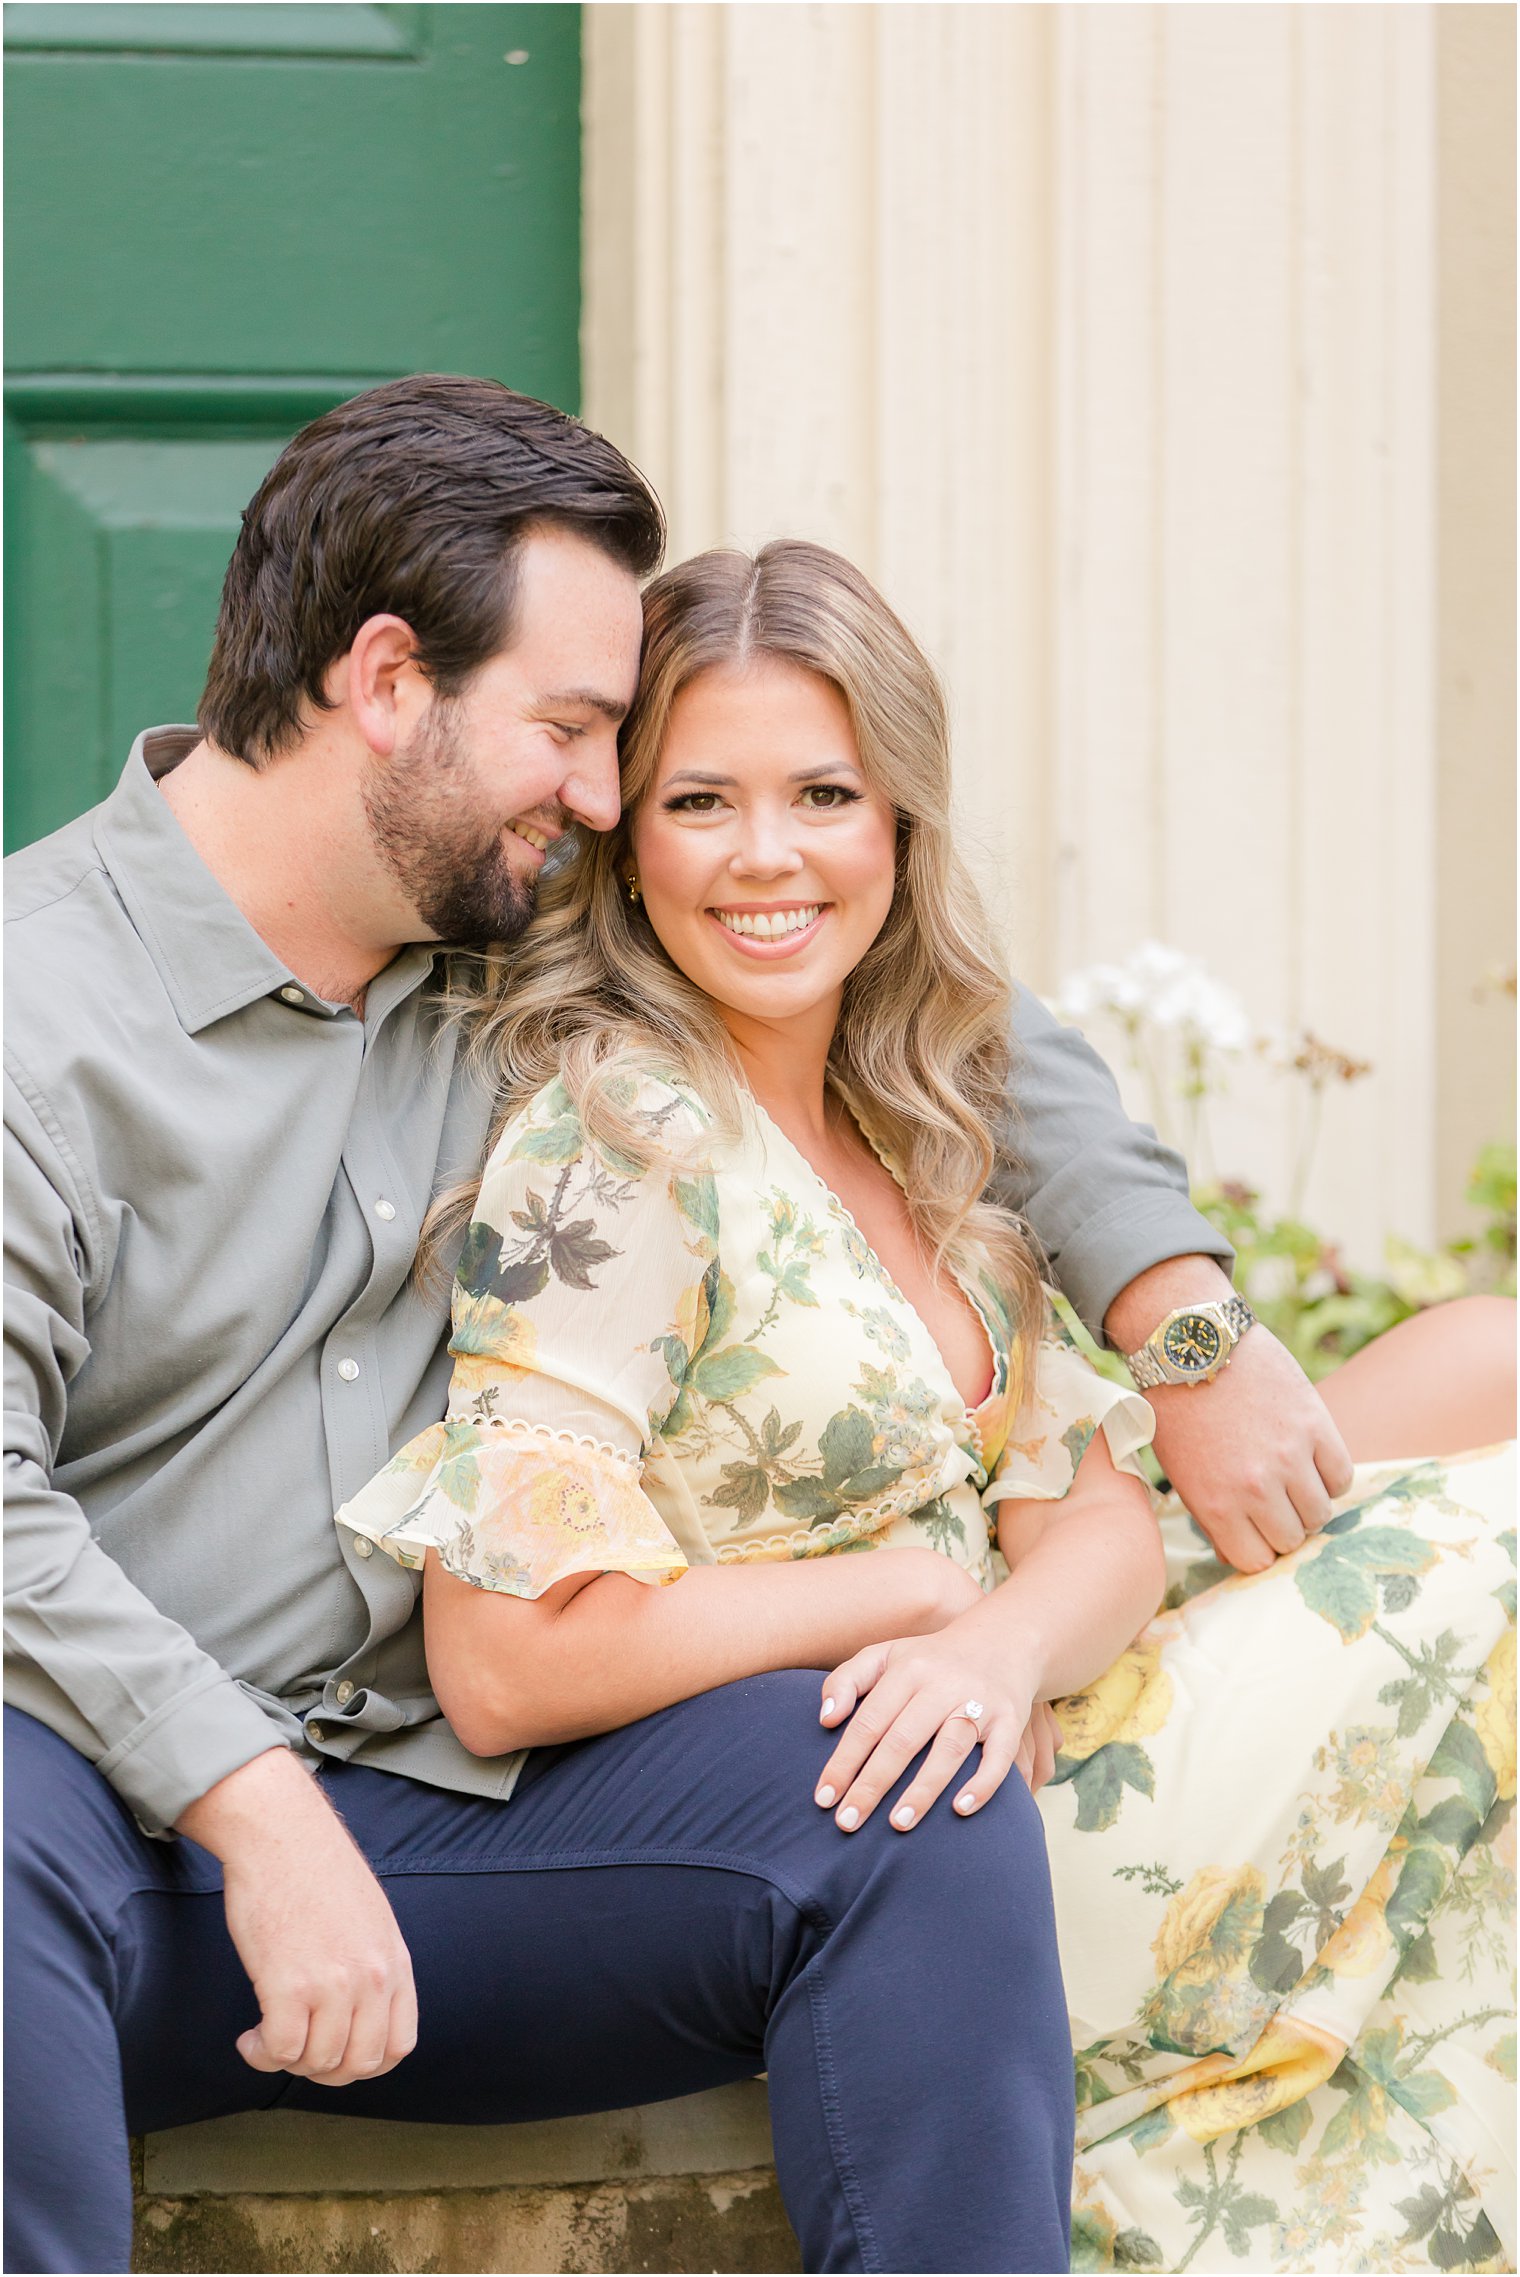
(554, 1861)
(850, 2190)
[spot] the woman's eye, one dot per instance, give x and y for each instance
(693, 802)
(821, 796)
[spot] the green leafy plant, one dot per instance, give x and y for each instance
(1300, 1286)
(1324, 1310)
(1180, 1027)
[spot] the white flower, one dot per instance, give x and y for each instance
(1269, 1279)
(1077, 997)
(1223, 1020)
(1155, 961)
(1126, 994)
(1159, 984)
(1204, 1009)
(1097, 988)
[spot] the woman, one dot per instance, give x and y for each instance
(730, 1304)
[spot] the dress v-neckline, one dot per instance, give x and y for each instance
(836, 1202)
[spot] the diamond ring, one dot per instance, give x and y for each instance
(973, 1712)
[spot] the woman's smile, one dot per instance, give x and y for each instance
(771, 932)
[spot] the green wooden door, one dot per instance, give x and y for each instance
(219, 222)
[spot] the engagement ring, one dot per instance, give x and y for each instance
(973, 1712)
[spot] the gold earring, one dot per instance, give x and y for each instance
(633, 890)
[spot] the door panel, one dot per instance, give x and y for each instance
(126, 546)
(221, 221)
(274, 213)
(269, 28)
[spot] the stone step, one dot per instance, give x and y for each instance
(678, 2186)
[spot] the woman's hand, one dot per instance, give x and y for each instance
(1041, 1745)
(901, 1695)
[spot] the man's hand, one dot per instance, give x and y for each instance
(311, 1924)
(1254, 1453)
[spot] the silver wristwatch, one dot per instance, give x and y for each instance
(1192, 1344)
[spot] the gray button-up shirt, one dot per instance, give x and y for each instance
(215, 1184)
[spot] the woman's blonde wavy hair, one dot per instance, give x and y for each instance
(922, 1044)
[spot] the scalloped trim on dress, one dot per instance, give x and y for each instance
(515, 1426)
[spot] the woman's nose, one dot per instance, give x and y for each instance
(766, 850)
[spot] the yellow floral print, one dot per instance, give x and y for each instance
(1129, 1701)
(1296, 1985)
(1281, 1824)
(728, 1315)
(1495, 1717)
(1288, 2060)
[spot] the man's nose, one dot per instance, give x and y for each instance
(591, 791)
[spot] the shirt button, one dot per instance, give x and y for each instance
(294, 995)
(344, 1693)
(385, 1209)
(363, 1546)
(316, 1731)
(348, 1370)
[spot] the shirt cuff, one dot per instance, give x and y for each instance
(1107, 1252)
(180, 1752)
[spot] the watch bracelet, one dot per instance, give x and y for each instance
(1145, 1366)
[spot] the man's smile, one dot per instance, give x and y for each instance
(539, 840)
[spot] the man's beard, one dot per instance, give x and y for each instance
(423, 811)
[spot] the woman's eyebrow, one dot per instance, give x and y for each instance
(726, 782)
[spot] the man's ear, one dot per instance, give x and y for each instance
(380, 683)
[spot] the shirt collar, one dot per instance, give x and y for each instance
(209, 957)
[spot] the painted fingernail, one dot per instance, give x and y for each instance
(826, 1712)
(904, 1815)
(966, 1800)
(824, 1797)
(849, 1819)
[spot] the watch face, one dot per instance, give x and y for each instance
(1192, 1343)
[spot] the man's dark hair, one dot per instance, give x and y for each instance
(412, 499)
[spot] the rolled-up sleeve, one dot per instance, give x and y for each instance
(1105, 1198)
(85, 1651)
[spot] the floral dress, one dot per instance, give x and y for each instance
(1280, 1827)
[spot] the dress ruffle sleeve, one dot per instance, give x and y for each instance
(1069, 1405)
(581, 1295)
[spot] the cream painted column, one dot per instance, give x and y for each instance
(1244, 748)
(817, 305)
(1101, 337)
(1475, 777)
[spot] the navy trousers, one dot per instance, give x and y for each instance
(656, 1911)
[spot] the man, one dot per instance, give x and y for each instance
(230, 1099)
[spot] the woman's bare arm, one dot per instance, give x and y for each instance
(597, 1651)
(1084, 1574)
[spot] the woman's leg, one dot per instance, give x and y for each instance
(1435, 1385)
